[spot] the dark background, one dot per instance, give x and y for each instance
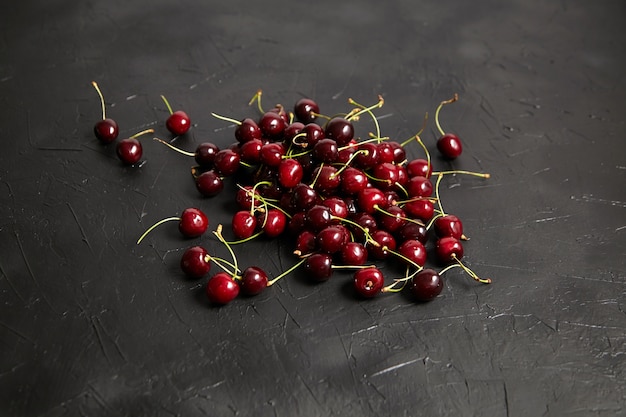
(91, 324)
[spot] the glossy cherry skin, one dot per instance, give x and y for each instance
(303, 197)
(272, 125)
(385, 153)
(386, 175)
(449, 145)
(327, 180)
(178, 123)
(419, 167)
(368, 282)
(306, 242)
(318, 266)
(392, 219)
(385, 241)
(226, 162)
(354, 254)
(426, 285)
(195, 263)
(338, 207)
(313, 133)
(419, 187)
(448, 249)
(253, 280)
(364, 221)
(414, 251)
(247, 130)
(222, 289)
(205, 154)
(290, 173)
(448, 225)
(318, 217)
(306, 110)
(246, 197)
(106, 130)
(368, 199)
(399, 154)
(420, 208)
(209, 183)
(339, 129)
(243, 224)
(272, 153)
(331, 239)
(353, 180)
(129, 151)
(367, 156)
(412, 231)
(193, 222)
(273, 222)
(325, 151)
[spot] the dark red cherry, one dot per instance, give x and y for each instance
(306, 110)
(290, 173)
(385, 175)
(325, 151)
(129, 151)
(318, 217)
(368, 282)
(448, 248)
(353, 253)
(222, 289)
(367, 156)
(272, 125)
(449, 225)
(449, 145)
(250, 151)
(392, 219)
(291, 131)
(178, 123)
(318, 266)
(297, 222)
(420, 208)
(205, 154)
(303, 197)
(364, 221)
(385, 242)
(339, 129)
(245, 197)
(209, 183)
(247, 130)
(414, 251)
(195, 262)
(305, 243)
(193, 222)
(327, 180)
(412, 231)
(313, 133)
(243, 224)
(353, 180)
(419, 187)
(338, 207)
(253, 280)
(399, 153)
(331, 239)
(385, 152)
(368, 199)
(272, 153)
(426, 285)
(419, 168)
(106, 130)
(226, 162)
(273, 222)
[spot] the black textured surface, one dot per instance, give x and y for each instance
(91, 324)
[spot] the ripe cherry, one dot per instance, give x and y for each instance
(290, 173)
(419, 167)
(195, 262)
(272, 125)
(178, 123)
(325, 151)
(369, 199)
(419, 187)
(130, 150)
(368, 282)
(273, 222)
(106, 129)
(426, 285)
(448, 144)
(209, 183)
(226, 162)
(318, 266)
(414, 251)
(243, 224)
(353, 180)
(204, 154)
(449, 225)
(305, 243)
(331, 239)
(191, 223)
(353, 253)
(384, 242)
(420, 208)
(448, 249)
(253, 280)
(247, 130)
(221, 288)
(306, 110)
(339, 129)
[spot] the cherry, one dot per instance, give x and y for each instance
(391, 219)
(291, 131)
(369, 199)
(243, 224)
(246, 197)
(412, 231)
(420, 208)
(306, 110)
(325, 151)
(414, 251)
(191, 223)
(194, 262)
(327, 180)
(368, 282)
(338, 207)
(106, 129)
(205, 154)
(448, 144)
(399, 154)
(331, 239)
(272, 154)
(385, 152)
(419, 187)
(130, 150)
(222, 288)
(253, 280)
(273, 222)
(209, 183)
(419, 167)
(272, 125)
(449, 225)
(362, 223)
(305, 243)
(353, 180)
(247, 130)
(339, 129)
(426, 285)
(384, 242)
(386, 175)
(448, 249)
(303, 197)
(290, 173)
(318, 266)
(178, 123)
(367, 156)
(313, 133)
(250, 151)
(318, 217)
(226, 162)
(353, 253)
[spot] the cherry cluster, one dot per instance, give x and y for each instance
(345, 202)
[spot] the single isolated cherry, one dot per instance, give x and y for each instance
(448, 144)
(306, 110)
(130, 150)
(178, 123)
(209, 183)
(426, 285)
(191, 223)
(106, 130)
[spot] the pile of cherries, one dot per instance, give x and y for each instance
(345, 202)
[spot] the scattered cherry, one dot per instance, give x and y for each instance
(222, 289)
(426, 285)
(106, 129)
(178, 123)
(195, 263)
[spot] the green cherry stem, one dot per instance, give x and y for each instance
(368, 110)
(143, 132)
(226, 119)
(154, 226)
(174, 147)
(408, 219)
(95, 85)
(167, 103)
(470, 272)
(476, 174)
(218, 234)
(257, 97)
(443, 103)
(287, 272)
(219, 262)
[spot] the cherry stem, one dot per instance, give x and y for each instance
(410, 200)
(476, 174)
(439, 178)
(364, 109)
(470, 272)
(257, 98)
(347, 163)
(419, 140)
(287, 272)
(319, 172)
(416, 136)
(408, 219)
(95, 85)
(443, 103)
(174, 147)
(218, 262)
(392, 287)
(167, 103)
(143, 132)
(365, 230)
(226, 119)
(218, 233)
(237, 242)
(151, 228)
